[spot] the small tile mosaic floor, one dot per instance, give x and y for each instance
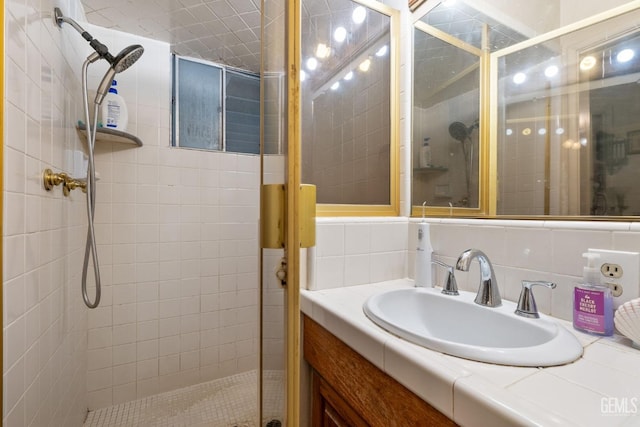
(226, 402)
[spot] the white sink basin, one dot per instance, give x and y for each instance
(457, 326)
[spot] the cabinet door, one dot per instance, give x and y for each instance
(330, 409)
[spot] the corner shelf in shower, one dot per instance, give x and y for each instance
(110, 135)
(430, 169)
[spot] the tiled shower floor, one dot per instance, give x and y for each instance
(226, 402)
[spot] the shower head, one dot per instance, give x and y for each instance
(121, 62)
(127, 57)
(458, 131)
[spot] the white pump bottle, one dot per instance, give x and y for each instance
(114, 110)
(424, 252)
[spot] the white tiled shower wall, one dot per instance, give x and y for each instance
(178, 242)
(354, 251)
(44, 325)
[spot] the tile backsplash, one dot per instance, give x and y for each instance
(353, 251)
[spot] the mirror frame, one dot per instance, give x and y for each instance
(393, 208)
(488, 179)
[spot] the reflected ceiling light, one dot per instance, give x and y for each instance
(359, 14)
(625, 55)
(509, 132)
(559, 131)
(364, 65)
(382, 51)
(322, 51)
(303, 75)
(587, 63)
(519, 78)
(335, 86)
(576, 146)
(583, 142)
(526, 131)
(348, 76)
(340, 34)
(312, 64)
(551, 71)
(542, 131)
(567, 144)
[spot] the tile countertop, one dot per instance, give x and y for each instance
(602, 388)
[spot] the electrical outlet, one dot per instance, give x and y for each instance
(611, 270)
(621, 272)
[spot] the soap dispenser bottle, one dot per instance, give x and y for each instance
(592, 301)
(423, 255)
(114, 110)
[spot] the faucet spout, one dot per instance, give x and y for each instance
(488, 292)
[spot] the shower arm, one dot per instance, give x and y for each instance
(100, 48)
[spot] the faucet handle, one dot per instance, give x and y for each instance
(526, 303)
(450, 286)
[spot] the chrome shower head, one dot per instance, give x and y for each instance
(127, 57)
(121, 62)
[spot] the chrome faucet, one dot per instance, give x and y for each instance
(488, 292)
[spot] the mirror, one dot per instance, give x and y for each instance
(567, 128)
(347, 103)
(560, 135)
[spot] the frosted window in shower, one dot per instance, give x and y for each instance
(197, 104)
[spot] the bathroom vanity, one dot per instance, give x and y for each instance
(349, 390)
(363, 375)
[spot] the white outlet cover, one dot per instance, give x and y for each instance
(630, 280)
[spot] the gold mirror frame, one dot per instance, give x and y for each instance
(488, 190)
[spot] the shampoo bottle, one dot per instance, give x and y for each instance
(425, 154)
(114, 110)
(592, 301)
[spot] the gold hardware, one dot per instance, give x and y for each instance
(307, 215)
(273, 198)
(273, 216)
(71, 184)
(51, 179)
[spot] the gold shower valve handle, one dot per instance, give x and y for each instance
(71, 184)
(51, 179)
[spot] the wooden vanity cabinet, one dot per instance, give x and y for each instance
(348, 390)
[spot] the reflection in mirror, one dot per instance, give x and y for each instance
(466, 22)
(345, 92)
(568, 134)
(446, 112)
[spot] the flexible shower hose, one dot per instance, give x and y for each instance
(90, 247)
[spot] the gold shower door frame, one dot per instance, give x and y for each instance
(293, 181)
